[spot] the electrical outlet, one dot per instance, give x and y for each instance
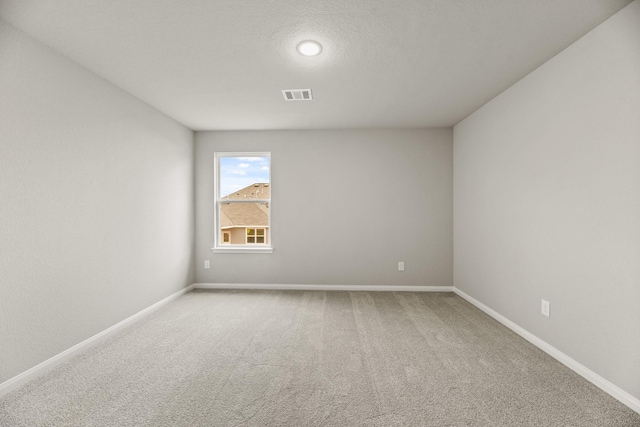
(207, 263)
(545, 308)
(401, 266)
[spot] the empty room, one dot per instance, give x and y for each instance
(320, 213)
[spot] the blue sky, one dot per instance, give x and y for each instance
(240, 172)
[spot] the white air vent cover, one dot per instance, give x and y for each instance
(297, 94)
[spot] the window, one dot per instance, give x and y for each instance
(242, 202)
(256, 235)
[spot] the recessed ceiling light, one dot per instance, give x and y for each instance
(309, 48)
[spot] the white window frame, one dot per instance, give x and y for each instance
(219, 246)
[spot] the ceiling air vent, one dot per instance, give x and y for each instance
(297, 94)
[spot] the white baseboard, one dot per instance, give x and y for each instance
(354, 288)
(582, 370)
(56, 360)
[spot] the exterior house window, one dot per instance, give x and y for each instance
(256, 235)
(242, 202)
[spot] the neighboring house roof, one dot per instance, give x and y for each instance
(258, 190)
(246, 214)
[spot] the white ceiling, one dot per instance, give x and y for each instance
(221, 64)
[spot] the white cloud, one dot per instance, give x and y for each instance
(250, 159)
(264, 168)
(244, 165)
(237, 172)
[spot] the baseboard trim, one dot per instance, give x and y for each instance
(605, 385)
(352, 288)
(40, 369)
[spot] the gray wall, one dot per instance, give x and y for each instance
(96, 215)
(547, 201)
(347, 205)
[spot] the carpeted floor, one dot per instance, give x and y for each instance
(292, 358)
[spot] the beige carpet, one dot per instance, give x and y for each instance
(287, 358)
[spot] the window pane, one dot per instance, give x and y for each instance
(244, 178)
(241, 221)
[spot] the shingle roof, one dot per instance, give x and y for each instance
(259, 190)
(246, 214)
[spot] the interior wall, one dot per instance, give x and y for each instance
(347, 205)
(547, 201)
(96, 215)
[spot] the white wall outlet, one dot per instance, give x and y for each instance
(401, 266)
(545, 308)
(207, 263)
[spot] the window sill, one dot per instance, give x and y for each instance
(245, 250)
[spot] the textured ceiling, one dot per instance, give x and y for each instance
(221, 64)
